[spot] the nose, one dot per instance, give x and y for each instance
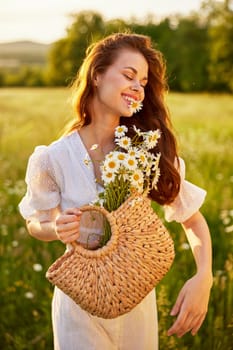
(136, 86)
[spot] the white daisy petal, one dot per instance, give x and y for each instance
(135, 106)
(94, 147)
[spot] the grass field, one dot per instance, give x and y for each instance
(204, 127)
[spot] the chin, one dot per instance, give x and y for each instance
(127, 115)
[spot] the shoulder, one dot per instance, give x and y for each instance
(55, 150)
(60, 145)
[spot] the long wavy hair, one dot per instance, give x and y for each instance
(154, 114)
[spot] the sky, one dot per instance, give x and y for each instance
(46, 20)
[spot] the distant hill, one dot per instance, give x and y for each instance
(15, 54)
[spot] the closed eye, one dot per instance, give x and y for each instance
(131, 78)
(128, 77)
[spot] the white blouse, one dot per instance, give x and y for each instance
(58, 176)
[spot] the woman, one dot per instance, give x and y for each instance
(119, 70)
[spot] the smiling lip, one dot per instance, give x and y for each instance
(130, 98)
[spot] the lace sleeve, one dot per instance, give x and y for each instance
(43, 194)
(188, 201)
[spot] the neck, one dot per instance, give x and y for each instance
(102, 135)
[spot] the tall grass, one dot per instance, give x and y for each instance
(204, 127)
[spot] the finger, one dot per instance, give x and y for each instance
(67, 227)
(176, 308)
(71, 237)
(198, 324)
(186, 326)
(63, 219)
(63, 232)
(179, 324)
(73, 211)
(190, 323)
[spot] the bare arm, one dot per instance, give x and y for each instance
(192, 302)
(60, 226)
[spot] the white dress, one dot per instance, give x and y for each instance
(58, 176)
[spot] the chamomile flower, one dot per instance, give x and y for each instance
(130, 168)
(133, 151)
(121, 130)
(156, 162)
(142, 158)
(120, 156)
(148, 170)
(123, 173)
(151, 138)
(124, 142)
(111, 164)
(108, 176)
(131, 163)
(135, 106)
(155, 179)
(136, 177)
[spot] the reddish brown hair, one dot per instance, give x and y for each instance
(154, 114)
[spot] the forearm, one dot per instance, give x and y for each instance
(44, 231)
(198, 235)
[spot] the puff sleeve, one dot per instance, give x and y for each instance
(43, 192)
(188, 201)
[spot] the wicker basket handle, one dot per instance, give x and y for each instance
(95, 208)
(114, 232)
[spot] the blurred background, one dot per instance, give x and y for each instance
(42, 45)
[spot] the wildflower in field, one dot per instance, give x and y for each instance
(219, 176)
(29, 295)
(37, 267)
(15, 244)
(185, 246)
(22, 230)
(229, 229)
(226, 220)
(4, 230)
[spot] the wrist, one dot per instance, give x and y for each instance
(206, 276)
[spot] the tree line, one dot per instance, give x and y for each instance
(197, 48)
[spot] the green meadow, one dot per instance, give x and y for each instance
(203, 124)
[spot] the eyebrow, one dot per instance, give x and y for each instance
(135, 71)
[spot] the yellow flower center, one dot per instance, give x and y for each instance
(121, 156)
(109, 175)
(136, 177)
(131, 162)
(112, 165)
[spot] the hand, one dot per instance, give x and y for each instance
(67, 225)
(191, 306)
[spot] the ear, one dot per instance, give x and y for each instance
(96, 80)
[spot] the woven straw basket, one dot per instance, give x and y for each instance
(112, 280)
